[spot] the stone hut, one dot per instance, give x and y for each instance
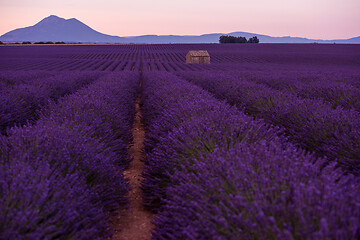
(199, 57)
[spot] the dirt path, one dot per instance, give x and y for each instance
(136, 224)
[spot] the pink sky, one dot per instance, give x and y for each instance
(318, 19)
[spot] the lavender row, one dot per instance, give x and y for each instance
(22, 102)
(310, 123)
(171, 57)
(184, 121)
(214, 173)
(336, 88)
(259, 191)
(13, 78)
(62, 177)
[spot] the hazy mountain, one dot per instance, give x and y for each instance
(55, 29)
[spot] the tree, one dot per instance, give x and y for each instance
(232, 39)
(253, 40)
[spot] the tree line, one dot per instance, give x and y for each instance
(232, 39)
(27, 42)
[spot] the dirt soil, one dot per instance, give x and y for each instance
(136, 222)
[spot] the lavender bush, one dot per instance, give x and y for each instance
(21, 103)
(337, 88)
(171, 57)
(310, 123)
(259, 191)
(193, 118)
(69, 149)
(214, 173)
(13, 78)
(39, 202)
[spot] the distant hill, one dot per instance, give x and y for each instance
(57, 29)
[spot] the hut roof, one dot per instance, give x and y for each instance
(199, 53)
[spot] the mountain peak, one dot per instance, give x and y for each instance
(51, 19)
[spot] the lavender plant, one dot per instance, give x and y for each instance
(38, 202)
(259, 191)
(212, 172)
(192, 123)
(22, 103)
(215, 173)
(310, 123)
(337, 88)
(13, 78)
(75, 155)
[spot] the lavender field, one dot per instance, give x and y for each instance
(263, 143)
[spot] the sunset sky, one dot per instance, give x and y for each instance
(319, 19)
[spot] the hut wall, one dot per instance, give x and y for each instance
(197, 59)
(188, 58)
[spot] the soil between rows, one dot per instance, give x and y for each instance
(135, 222)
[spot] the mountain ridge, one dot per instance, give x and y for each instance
(54, 28)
